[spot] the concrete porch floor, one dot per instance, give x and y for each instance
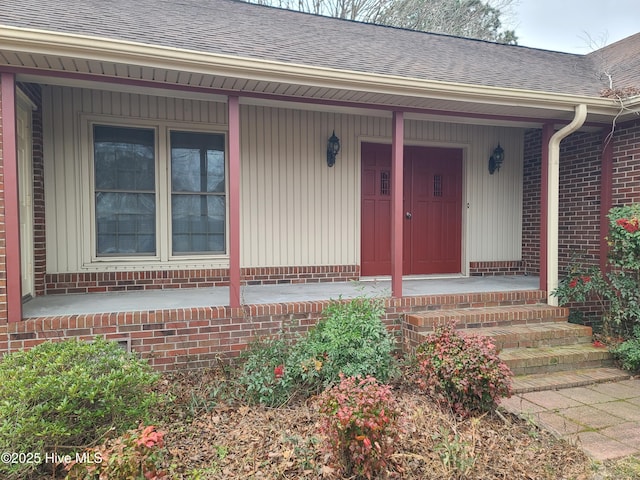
(77, 304)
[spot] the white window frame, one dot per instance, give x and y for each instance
(163, 259)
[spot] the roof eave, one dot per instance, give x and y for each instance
(69, 45)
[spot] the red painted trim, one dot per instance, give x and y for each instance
(547, 133)
(267, 96)
(606, 195)
(397, 215)
(11, 201)
(234, 201)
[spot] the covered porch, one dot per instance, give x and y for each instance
(187, 298)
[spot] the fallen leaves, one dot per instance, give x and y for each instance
(228, 441)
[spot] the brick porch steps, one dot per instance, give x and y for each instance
(535, 340)
(567, 379)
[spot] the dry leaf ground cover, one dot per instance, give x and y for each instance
(211, 435)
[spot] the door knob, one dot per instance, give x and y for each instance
(408, 215)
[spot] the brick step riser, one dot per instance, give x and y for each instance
(426, 325)
(561, 367)
(579, 335)
(567, 379)
(442, 303)
(542, 342)
(525, 361)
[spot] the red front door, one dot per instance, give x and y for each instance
(432, 205)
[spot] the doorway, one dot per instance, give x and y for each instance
(432, 206)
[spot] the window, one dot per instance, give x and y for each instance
(197, 193)
(125, 199)
(158, 193)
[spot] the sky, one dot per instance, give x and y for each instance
(566, 25)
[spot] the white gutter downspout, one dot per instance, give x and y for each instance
(553, 197)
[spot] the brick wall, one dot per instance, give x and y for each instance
(579, 213)
(626, 164)
(531, 201)
(483, 269)
(163, 279)
(579, 209)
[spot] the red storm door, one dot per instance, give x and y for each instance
(432, 206)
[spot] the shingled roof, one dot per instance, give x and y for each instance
(251, 31)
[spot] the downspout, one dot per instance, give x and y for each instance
(553, 195)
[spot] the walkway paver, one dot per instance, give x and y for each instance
(602, 419)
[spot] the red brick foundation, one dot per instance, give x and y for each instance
(482, 269)
(163, 279)
(199, 337)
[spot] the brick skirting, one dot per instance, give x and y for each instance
(513, 267)
(198, 337)
(92, 282)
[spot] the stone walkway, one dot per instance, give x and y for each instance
(602, 419)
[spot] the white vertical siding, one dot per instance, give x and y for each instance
(295, 209)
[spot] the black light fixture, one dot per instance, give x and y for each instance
(333, 147)
(495, 161)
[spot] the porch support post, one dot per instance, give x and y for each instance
(547, 132)
(11, 206)
(397, 214)
(234, 200)
(606, 195)
(554, 198)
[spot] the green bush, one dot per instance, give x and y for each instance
(461, 372)
(262, 374)
(628, 352)
(351, 339)
(62, 397)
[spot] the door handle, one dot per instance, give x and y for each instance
(408, 215)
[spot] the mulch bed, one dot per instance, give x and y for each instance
(211, 438)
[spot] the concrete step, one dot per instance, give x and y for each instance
(526, 361)
(486, 316)
(567, 379)
(548, 334)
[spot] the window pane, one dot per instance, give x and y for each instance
(124, 161)
(124, 158)
(126, 223)
(197, 162)
(198, 223)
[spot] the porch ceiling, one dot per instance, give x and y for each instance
(331, 90)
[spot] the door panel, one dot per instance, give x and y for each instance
(376, 209)
(433, 201)
(435, 193)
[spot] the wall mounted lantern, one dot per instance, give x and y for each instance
(333, 147)
(495, 161)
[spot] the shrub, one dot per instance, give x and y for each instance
(137, 454)
(61, 397)
(263, 372)
(618, 292)
(461, 371)
(360, 421)
(351, 339)
(628, 352)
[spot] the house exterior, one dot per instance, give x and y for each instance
(154, 145)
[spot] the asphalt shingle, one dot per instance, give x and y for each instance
(236, 28)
